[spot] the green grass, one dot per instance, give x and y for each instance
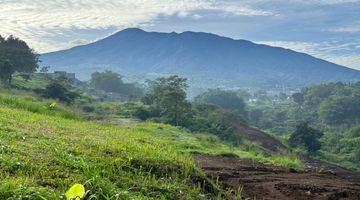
(33, 105)
(43, 152)
(44, 155)
(36, 82)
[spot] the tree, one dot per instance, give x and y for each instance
(109, 81)
(298, 98)
(60, 92)
(224, 99)
(59, 88)
(6, 71)
(307, 137)
(16, 56)
(210, 118)
(45, 69)
(168, 95)
(340, 109)
(255, 115)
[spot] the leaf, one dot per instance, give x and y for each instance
(52, 105)
(77, 191)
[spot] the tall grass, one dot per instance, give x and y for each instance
(36, 107)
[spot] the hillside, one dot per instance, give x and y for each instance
(206, 59)
(44, 151)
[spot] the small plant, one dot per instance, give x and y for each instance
(77, 191)
(52, 105)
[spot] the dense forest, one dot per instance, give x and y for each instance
(333, 108)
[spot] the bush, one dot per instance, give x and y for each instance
(88, 108)
(58, 91)
(225, 99)
(142, 113)
(215, 120)
(307, 137)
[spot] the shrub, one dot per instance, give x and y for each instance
(58, 91)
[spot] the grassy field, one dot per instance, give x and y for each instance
(44, 151)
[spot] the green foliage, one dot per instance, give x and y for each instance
(225, 99)
(307, 137)
(34, 83)
(343, 148)
(340, 109)
(77, 191)
(212, 119)
(109, 81)
(166, 102)
(6, 71)
(298, 98)
(332, 108)
(59, 88)
(168, 95)
(58, 91)
(16, 56)
(52, 105)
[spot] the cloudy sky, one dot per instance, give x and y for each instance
(329, 29)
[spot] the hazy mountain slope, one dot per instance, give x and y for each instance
(209, 59)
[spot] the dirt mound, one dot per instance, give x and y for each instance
(269, 144)
(261, 181)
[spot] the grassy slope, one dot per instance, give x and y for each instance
(42, 153)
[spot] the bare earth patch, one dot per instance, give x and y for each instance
(261, 181)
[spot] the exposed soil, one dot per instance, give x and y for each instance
(268, 143)
(260, 181)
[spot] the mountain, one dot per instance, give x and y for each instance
(208, 60)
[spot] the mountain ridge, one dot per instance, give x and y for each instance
(209, 59)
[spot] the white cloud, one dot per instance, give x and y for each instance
(346, 29)
(39, 21)
(197, 16)
(78, 42)
(330, 51)
(241, 9)
(352, 61)
(323, 2)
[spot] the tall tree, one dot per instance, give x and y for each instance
(169, 96)
(307, 137)
(16, 56)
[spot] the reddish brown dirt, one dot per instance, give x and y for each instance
(260, 181)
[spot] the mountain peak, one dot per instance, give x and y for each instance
(212, 60)
(132, 30)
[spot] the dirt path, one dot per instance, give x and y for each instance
(261, 181)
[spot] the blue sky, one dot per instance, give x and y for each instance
(328, 29)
